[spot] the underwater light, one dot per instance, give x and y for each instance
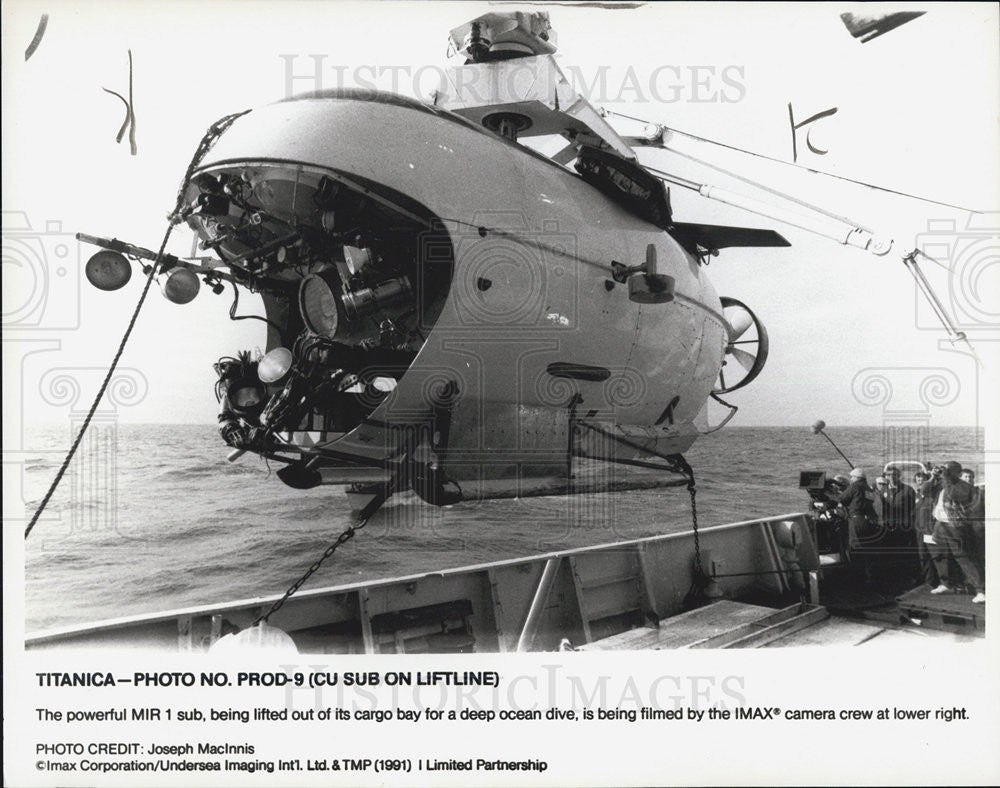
(180, 286)
(275, 365)
(108, 270)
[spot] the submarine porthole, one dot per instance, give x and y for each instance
(353, 277)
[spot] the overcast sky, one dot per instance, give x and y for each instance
(916, 112)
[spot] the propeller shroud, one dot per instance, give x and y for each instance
(749, 350)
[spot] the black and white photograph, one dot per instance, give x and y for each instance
(542, 393)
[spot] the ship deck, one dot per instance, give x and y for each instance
(728, 624)
(770, 588)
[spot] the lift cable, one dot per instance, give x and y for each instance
(764, 187)
(788, 163)
(845, 233)
(213, 133)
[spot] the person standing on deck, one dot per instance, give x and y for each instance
(899, 503)
(954, 511)
(978, 523)
(863, 524)
(880, 498)
(928, 489)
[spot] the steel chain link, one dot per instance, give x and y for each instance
(346, 536)
(349, 533)
(688, 471)
(694, 522)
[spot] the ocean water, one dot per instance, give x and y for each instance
(152, 517)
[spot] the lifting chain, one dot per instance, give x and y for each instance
(700, 580)
(346, 536)
(688, 471)
(373, 506)
(694, 523)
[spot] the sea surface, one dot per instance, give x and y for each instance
(153, 517)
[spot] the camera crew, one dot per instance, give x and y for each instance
(863, 523)
(954, 512)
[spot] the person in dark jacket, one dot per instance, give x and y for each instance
(978, 523)
(863, 524)
(898, 509)
(954, 512)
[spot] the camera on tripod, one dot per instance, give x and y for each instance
(828, 521)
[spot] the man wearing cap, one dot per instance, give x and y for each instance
(863, 524)
(880, 497)
(954, 512)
